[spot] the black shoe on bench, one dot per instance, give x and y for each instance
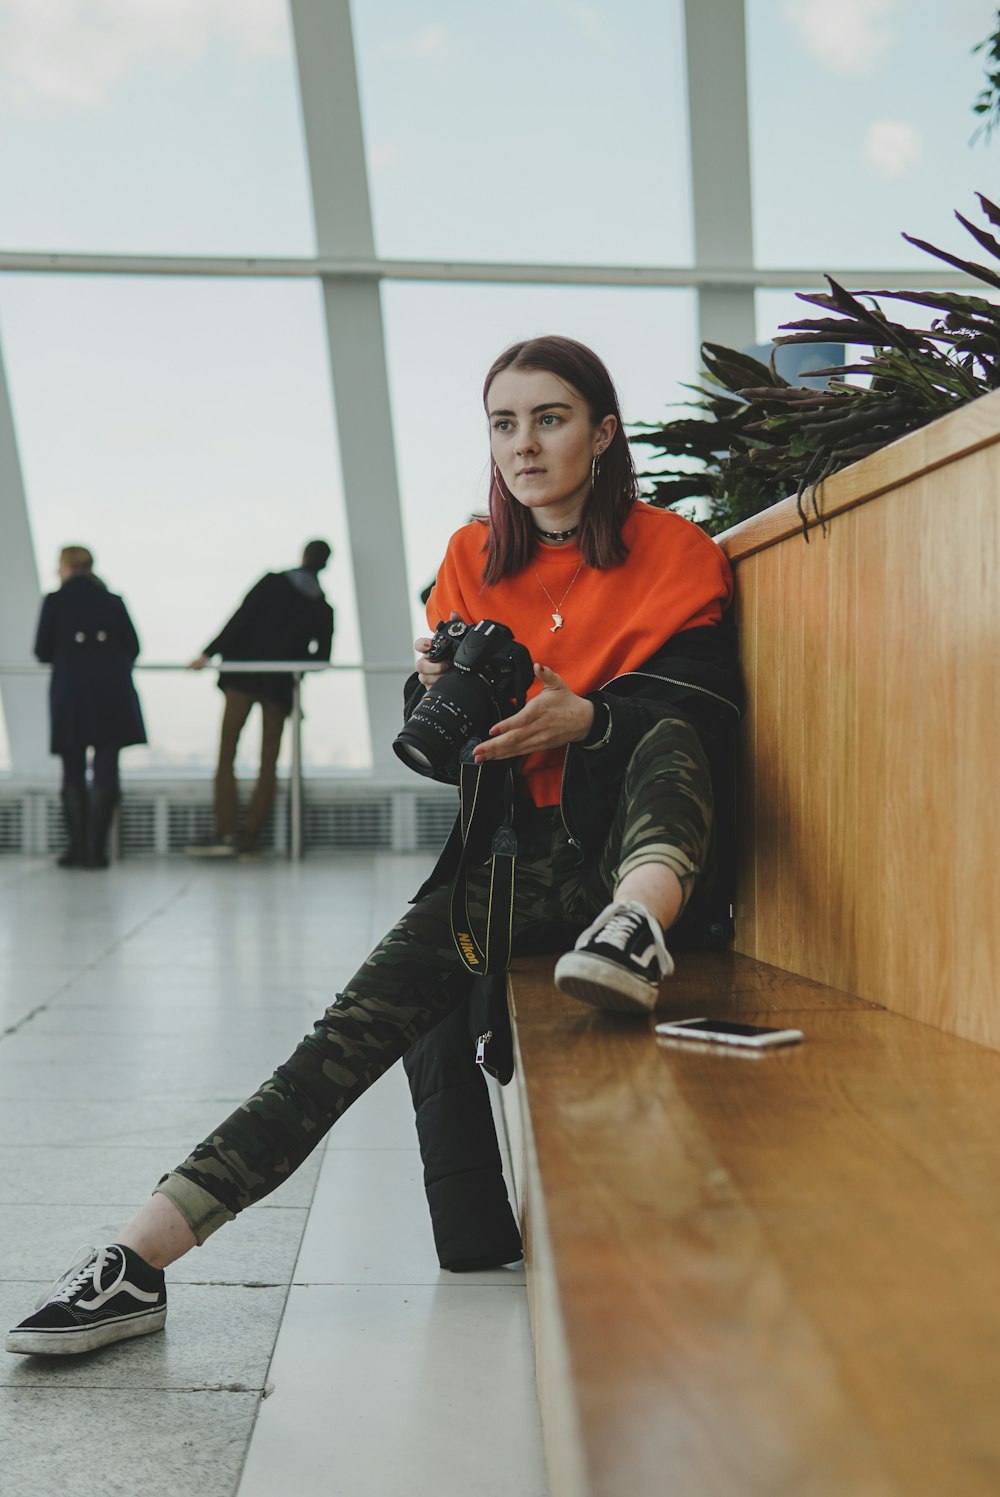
(618, 962)
(109, 1294)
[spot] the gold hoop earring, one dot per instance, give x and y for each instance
(498, 483)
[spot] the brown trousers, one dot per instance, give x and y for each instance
(237, 710)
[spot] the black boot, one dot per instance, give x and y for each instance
(74, 805)
(473, 1224)
(103, 799)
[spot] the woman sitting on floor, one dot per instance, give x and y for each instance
(622, 754)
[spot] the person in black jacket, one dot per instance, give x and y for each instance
(86, 635)
(609, 781)
(284, 616)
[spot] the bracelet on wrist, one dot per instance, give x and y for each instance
(601, 742)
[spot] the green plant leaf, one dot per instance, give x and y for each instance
(737, 369)
(758, 438)
(987, 241)
(990, 209)
(947, 301)
(970, 267)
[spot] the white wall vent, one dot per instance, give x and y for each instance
(156, 820)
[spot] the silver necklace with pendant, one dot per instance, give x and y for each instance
(557, 618)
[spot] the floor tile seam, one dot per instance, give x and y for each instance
(65, 1148)
(90, 967)
(180, 1032)
(292, 1283)
(188, 1283)
(49, 1204)
(430, 1283)
(132, 1205)
(251, 1284)
(84, 1389)
(267, 1386)
(54, 1105)
(40, 1008)
(62, 1098)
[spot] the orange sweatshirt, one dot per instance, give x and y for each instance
(675, 577)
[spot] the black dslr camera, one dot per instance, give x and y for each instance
(488, 681)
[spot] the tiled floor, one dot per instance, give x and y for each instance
(136, 1008)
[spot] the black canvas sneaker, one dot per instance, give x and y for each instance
(109, 1294)
(618, 962)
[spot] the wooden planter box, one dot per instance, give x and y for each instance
(870, 809)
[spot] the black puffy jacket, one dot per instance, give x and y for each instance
(696, 675)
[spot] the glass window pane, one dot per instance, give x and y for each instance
(442, 339)
(151, 128)
(535, 130)
(777, 307)
(860, 127)
(183, 429)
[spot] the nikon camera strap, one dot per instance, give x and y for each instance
(488, 951)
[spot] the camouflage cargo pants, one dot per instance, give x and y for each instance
(414, 977)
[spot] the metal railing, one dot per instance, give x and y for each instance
(297, 669)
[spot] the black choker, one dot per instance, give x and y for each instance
(558, 535)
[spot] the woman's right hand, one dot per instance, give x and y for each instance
(429, 672)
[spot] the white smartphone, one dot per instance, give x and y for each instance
(728, 1032)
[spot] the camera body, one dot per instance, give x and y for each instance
(447, 638)
(489, 680)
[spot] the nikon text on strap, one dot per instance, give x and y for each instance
(490, 951)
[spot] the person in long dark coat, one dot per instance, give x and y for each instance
(86, 635)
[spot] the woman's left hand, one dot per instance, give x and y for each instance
(553, 718)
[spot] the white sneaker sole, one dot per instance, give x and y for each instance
(604, 984)
(70, 1343)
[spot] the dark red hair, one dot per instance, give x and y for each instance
(511, 533)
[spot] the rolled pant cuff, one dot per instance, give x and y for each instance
(202, 1212)
(674, 858)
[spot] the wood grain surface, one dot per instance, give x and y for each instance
(761, 1275)
(868, 811)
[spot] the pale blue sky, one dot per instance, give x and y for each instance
(184, 428)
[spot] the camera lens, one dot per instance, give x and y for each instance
(413, 756)
(490, 678)
(433, 737)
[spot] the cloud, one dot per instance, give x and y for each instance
(73, 53)
(892, 147)
(383, 156)
(430, 44)
(849, 36)
(590, 20)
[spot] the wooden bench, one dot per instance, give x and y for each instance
(765, 1274)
